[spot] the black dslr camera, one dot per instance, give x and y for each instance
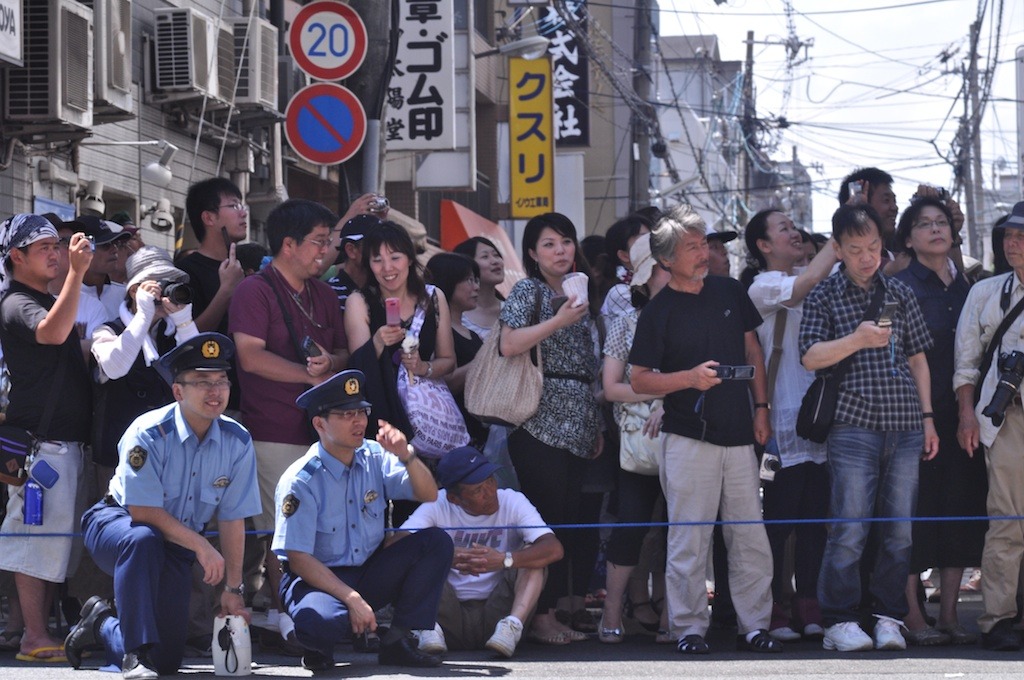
(178, 293)
(1011, 372)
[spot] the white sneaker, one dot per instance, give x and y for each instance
(784, 634)
(887, 634)
(506, 636)
(432, 641)
(846, 636)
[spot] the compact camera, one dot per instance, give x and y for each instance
(1011, 372)
(734, 372)
(771, 462)
(378, 204)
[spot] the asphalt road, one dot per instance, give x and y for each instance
(637, 657)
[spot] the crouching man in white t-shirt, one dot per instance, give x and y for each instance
(502, 549)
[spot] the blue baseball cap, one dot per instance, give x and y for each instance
(464, 465)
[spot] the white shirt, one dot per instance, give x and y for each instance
(979, 319)
(112, 297)
(514, 510)
(768, 292)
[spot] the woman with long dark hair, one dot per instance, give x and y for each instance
(799, 490)
(550, 450)
(376, 346)
(491, 264)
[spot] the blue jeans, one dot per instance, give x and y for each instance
(874, 474)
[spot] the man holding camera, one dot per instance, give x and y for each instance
(988, 373)
(290, 334)
(883, 421)
(708, 372)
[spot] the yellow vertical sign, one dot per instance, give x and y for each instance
(532, 139)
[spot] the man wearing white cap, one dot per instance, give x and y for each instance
(993, 308)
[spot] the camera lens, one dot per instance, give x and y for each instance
(178, 293)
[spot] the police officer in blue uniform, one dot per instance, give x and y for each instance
(178, 465)
(329, 533)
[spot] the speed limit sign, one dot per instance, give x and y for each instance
(328, 40)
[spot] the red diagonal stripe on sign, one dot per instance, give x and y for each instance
(323, 121)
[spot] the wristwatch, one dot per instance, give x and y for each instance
(508, 560)
(239, 590)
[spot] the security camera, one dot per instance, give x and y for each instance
(92, 199)
(160, 216)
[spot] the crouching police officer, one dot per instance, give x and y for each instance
(178, 465)
(329, 533)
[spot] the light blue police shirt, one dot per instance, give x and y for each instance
(187, 478)
(337, 512)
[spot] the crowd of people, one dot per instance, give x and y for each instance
(294, 419)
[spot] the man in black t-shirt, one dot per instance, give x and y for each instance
(693, 326)
(51, 398)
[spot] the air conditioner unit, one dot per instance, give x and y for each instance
(186, 52)
(113, 69)
(255, 62)
(55, 84)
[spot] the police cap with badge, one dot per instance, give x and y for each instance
(204, 352)
(343, 392)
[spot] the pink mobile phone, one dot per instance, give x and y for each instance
(392, 312)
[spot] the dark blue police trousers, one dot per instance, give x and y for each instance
(152, 581)
(409, 574)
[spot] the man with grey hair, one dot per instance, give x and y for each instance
(707, 372)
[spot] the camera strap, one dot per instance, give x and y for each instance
(776, 355)
(997, 339)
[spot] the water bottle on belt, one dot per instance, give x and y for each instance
(33, 512)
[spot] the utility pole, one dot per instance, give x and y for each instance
(748, 121)
(970, 147)
(369, 84)
(640, 173)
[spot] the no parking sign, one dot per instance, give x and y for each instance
(325, 123)
(328, 40)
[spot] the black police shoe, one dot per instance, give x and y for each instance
(1002, 637)
(404, 652)
(315, 661)
(86, 633)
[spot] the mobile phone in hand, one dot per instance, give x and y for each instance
(309, 348)
(557, 301)
(392, 312)
(888, 312)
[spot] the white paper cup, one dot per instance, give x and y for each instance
(575, 285)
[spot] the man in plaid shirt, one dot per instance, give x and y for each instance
(883, 424)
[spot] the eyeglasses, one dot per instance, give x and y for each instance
(351, 414)
(941, 223)
(207, 385)
(320, 243)
(237, 206)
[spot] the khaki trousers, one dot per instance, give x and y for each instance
(699, 480)
(1004, 541)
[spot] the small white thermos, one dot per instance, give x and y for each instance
(232, 647)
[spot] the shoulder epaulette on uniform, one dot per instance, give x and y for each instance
(235, 428)
(310, 468)
(163, 427)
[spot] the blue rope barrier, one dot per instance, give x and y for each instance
(633, 525)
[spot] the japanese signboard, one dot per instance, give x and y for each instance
(531, 136)
(421, 96)
(570, 74)
(10, 32)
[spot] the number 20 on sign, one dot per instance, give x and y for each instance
(328, 40)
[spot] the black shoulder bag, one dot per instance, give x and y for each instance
(818, 408)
